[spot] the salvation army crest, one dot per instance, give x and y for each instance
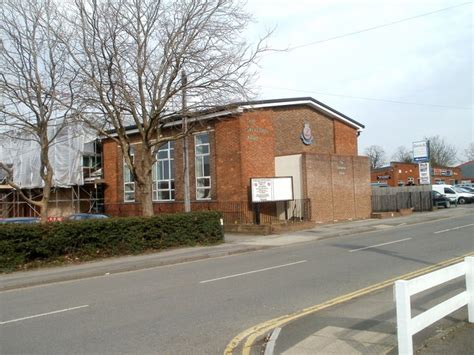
(307, 135)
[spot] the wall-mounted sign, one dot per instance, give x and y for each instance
(272, 189)
(421, 151)
(383, 177)
(425, 176)
(307, 135)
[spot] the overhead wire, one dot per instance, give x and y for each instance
(370, 98)
(376, 27)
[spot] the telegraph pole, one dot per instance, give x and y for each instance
(187, 195)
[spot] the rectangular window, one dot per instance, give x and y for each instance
(128, 180)
(202, 150)
(163, 173)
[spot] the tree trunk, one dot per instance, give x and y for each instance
(146, 199)
(144, 181)
(47, 176)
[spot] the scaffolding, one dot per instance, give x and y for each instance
(76, 157)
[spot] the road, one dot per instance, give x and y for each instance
(198, 307)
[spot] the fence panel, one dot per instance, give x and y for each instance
(390, 199)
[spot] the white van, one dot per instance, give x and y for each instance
(449, 192)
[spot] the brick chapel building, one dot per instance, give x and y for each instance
(256, 139)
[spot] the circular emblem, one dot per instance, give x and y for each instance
(306, 134)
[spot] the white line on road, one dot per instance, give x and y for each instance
(453, 229)
(43, 314)
(252, 272)
(379, 245)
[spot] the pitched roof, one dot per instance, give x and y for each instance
(239, 107)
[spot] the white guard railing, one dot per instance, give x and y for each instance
(408, 326)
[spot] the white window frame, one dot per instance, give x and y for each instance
(169, 149)
(127, 182)
(199, 175)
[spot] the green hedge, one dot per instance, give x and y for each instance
(25, 244)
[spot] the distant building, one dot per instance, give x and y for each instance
(467, 171)
(406, 174)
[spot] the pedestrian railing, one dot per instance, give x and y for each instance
(408, 326)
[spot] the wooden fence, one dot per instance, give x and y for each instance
(390, 199)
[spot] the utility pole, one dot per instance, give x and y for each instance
(187, 195)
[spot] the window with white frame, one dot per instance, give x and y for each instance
(203, 166)
(163, 173)
(128, 180)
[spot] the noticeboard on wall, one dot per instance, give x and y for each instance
(272, 189)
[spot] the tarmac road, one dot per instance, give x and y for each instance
(198, 307)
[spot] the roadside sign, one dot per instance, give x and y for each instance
(421, 151)
(425, 175)
(272, 189)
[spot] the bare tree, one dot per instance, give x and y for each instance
(34, 87)
(403, 155)
(441, 152)
(131, 55)
(469, 152)
(376, 156)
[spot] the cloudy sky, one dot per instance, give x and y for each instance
(403, 80)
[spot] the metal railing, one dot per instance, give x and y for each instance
(233, 212)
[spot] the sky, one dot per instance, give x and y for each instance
(404, 81)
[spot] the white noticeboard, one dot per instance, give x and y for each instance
(272, 189)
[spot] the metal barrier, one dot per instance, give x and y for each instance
(408, 326)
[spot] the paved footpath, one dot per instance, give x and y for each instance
(365, 325)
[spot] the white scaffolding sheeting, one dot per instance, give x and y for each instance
(65, 155)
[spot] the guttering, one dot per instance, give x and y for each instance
(179, 122)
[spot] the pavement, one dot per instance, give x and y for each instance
(367, 325)
(364, 325)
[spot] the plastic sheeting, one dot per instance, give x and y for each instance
(65, 156)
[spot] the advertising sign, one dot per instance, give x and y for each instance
(425, 176)
(421, 151)
(272, 189)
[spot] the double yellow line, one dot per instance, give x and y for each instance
(253, 333)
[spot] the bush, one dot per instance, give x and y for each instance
(23, 244)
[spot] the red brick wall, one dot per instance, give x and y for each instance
(257, 147)
(228, 161)
(112, 173)
(338, 186)
(362, 188)
(289, 123)
(345, 139)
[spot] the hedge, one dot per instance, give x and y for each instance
(23, 245)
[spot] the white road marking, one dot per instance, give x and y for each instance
(379, 245)
(453, 229)
(43, 314)
(253, 272)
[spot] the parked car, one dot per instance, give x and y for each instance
(466, 188)
(440, 200)
(464, 195)
(453, 195)
(83, 216)
(20, 220)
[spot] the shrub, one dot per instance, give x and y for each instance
(23, 244)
